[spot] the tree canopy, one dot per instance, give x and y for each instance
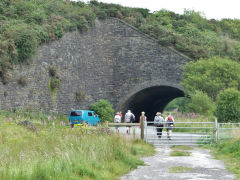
(211, 76)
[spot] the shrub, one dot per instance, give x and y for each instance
(200, 103)
(25, 41)
(22, 80)
(104, 109)
(80, 95)
(211, 76)
(228, 106)
(101, 14)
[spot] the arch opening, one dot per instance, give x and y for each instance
(151, 100)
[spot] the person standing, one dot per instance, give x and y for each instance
(169, 124)
(117, 119)
(158, 122)
(120, 114)
(128, 119)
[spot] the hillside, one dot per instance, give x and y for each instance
(26, 24)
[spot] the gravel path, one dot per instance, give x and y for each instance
(202, 165)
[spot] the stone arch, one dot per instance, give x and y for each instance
(151, 98)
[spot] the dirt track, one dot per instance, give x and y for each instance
(201, 166)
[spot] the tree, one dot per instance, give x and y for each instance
(211, 76)
(200, 103)
(104, 109)
(228, 106)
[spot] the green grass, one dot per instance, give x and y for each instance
(180, 153)
(181, 147)
(64, 153)
(229, 152)
(179, 169)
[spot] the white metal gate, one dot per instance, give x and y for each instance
(184, 133)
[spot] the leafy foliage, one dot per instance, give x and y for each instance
(228, 106)
(26, 24)
(200, 103)
(211, 76)
(104, 109)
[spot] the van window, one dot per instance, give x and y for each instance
(89, 114)
(76, 113)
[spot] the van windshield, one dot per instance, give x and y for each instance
(76, 113)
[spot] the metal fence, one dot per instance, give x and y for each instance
(228, 130)
(183, 133)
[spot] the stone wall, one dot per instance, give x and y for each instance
(111, 61)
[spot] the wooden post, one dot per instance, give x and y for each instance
(142, 127)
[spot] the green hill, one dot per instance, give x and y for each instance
(26, 24)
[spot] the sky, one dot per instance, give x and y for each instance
(212, 9)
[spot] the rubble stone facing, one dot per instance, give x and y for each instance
(112, 61)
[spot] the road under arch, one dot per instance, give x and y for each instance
(151, 100)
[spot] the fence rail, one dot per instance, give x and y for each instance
(184, 133)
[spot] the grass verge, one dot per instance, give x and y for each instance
(229, 152)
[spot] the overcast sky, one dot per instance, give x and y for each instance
(216, 9)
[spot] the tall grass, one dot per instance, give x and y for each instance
(65, 153)
(229, 152)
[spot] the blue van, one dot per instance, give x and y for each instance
(83, 116)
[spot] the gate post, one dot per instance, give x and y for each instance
(216, 130)
(142, 126)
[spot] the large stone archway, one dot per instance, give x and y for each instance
(112, 61)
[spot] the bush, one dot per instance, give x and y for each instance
(104, 109)
(211, 76)
(200, 103)
(228, 106)
(25, 41)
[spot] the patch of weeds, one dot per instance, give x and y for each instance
(53, 71)
(5, 94)
(181, 148)
(55, 80)
(80, 95)
(180, 153)
(55, 83)
(22, 80)
(179, 169)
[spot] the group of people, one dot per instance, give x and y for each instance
(159, 121)
(129, 118)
